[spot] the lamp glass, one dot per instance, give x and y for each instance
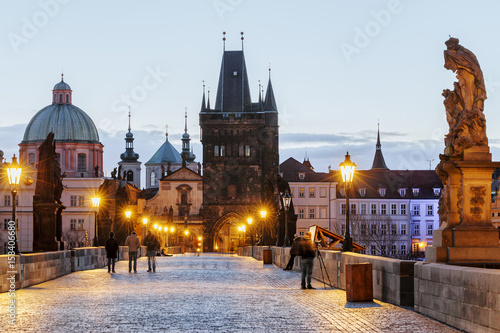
(347, 169)
(128, 213)
(95, 202)
(263, 213)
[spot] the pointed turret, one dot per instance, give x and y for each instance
(129, 155)
(208, 99)
(186, 153)
(260, 97)
(203, 104)
(378, 160)
(270, 102)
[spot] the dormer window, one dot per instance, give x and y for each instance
(402, 192)
(381, 191)
(302, 175)
(235, 73)
(362, 192)
(415, 191)
(437, 191)
(342, 192)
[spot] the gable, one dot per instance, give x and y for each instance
(183, 174)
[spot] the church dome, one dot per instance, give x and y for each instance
(68, 122)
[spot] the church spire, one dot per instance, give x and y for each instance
(378, 160)
(270, 102)
(203, 104)
(129, 155)
(208, 99)
(186, 153)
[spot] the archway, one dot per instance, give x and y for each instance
(228, 234)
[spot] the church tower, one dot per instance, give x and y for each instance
(378, 160)
(240, 152)
(130, 166)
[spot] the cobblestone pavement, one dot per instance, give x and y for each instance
(210, 293)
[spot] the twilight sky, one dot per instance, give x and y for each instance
(338, 67)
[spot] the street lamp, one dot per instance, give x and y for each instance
(128, 214)
(347, 169)
(144, 227)
(263, 214)
(14, 176)
(250, 221)
(286, 202)
(95, 203)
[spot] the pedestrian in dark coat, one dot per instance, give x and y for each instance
(294, 251)
(307, 252)
(111, 251)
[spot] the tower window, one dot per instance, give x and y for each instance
(222, 150)
(154, 180)
(247, 150)
(67, 98)
(241, 151)
(32, 158)
(130, 176)
(216, 151)
(235, 73)
(60, 98)
(82, 163)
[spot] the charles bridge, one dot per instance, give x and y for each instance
(70, 291)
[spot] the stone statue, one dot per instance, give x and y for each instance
(465, 104)
(113, 173)
(96, 171)
(120, 172)
(49, 183)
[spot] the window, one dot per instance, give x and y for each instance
(311, 192)
(302, 175)
(342, 192)
(6, 200)
(76, 224)
(383, 229)
(363, 229)
(67, 98)
(383, 209)
(301, 213)
(154, 180)
(416, 230)
(312, 213)
(437, 191)
(403, 249)
(322, 192)
(353, 209)
(416, 210)
(291, 192)
(82, 163)
(402, 209)
(216, 151)
(382, 192)
(373, 250)
(373, 229)
(393, 249)
(415, 247)
(415, 191)
(402, 192)
(429, 229)
(430, 210)
(72, 224)
(73, 201)
(394, 229)
(402, 227)
(247, 151)
(342, 209)
(362, 192)
(222, 150)
(32, 159)
(81, 200)
(394, 209)
(373, 209)
(301, 192)
(241, 151)
(382, 250)
(362, 210)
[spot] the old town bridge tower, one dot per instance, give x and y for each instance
(240, 153)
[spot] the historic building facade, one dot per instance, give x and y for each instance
(240, 153)
(80, 154)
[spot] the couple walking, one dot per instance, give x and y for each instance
(134, 244)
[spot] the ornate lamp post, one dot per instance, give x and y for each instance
(250, 221)
(286, 202)
(263, 214)
(347, 169)
(95, 203)
(128, 214)
(14, 176)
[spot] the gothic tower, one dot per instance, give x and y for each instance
(240, 151)
(130, 166)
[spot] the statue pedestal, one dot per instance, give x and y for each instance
(45, 226)
(466, 234)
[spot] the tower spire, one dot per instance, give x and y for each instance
(223, 41)
(208, 100)
(378, 160)
(203, 105)
(186, 120)
(129, 118)
(270, 101)
(242, 38)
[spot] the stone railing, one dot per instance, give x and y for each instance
(392, 278)
(34, 268)
(463, 297)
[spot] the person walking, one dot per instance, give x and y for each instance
(307, 253)
(153, 245)
(294, 251)
(111, 251)
(133, 244)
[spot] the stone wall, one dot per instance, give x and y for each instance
(35, 268)
(392, 278)
(463, 297)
